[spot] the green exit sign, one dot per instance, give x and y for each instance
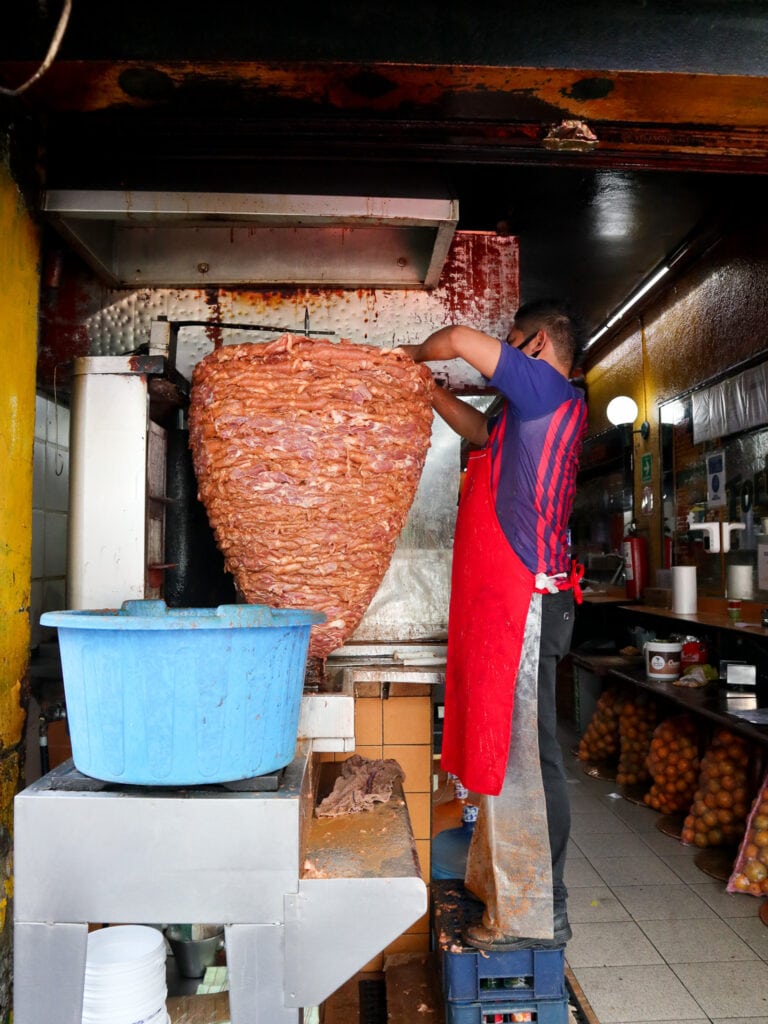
(646, 464)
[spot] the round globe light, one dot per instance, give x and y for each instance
(621, 409)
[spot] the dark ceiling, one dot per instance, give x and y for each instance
(394, 98)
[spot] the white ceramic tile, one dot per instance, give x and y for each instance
(610, 944)
(598, 821)
(55, 544)
(40, 416)
(726, 904)
(38, 543)
(613, 844)
(693, 941)
(661, 902)
(737, 988)
(594, 903)
(53, 595)
(642, 870)
(580, 873)
(637, 994)
(38, 475)
(753, 932)
(56, 478)
(57, 423)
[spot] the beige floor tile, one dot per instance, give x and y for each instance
(727, 989)
(641, 994)
(661, 902)
(610, 944)
(593, 904)
(726, 904)
(753, 932)
(641, 870)
(697, 941)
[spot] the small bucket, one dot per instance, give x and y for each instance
(193, 956)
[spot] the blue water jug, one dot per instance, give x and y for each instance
(450, 848)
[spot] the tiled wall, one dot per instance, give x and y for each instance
(50, 502)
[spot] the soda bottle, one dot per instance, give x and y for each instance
(450, 847)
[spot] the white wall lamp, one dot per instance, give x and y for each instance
(623, 410)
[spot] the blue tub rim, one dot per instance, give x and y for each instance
(156, 615)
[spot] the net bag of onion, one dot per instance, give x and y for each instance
(750, 873)
(308, 455)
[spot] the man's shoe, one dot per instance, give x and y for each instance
(481, 937)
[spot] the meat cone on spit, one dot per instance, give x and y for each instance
(308, 455)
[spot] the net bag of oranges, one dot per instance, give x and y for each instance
(600, 741)
(719, 810)
(637, 720)
(673, 762)
(750, 873)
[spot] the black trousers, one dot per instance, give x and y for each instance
(557, 614)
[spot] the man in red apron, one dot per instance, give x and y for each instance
(511, 618)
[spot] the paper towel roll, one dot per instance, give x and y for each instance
(738, 581)
(684, 589)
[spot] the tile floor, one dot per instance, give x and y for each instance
(654, 938)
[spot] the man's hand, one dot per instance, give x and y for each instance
(409, 350)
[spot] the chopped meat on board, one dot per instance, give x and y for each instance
(308, 455)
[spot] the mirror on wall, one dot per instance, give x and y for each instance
(715, 486)
(603, 507)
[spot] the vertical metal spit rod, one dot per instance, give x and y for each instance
(306, 321)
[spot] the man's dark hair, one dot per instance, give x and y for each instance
(560, 323)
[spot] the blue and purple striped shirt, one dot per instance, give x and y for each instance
(535, 445)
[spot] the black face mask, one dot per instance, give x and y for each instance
(527, 341)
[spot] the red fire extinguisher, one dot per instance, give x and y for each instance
(635, 565)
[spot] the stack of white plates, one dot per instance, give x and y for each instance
(125, 976)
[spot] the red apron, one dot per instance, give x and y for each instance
(490, 595)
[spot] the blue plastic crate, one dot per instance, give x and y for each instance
(535, 1011)
(470, 975)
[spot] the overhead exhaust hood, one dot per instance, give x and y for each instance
(203, 239)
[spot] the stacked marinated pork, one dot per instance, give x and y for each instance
(308, 454)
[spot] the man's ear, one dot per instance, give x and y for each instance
(538, 342)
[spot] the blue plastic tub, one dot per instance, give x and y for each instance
(182, 696)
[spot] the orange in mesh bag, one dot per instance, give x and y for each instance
(750, 873)
(308, 455)
(719, 809)
(673, 762)
(600, 741)
(636, 722)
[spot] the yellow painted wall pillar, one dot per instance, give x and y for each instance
(19, 273)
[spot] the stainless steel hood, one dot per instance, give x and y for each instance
(203, 239)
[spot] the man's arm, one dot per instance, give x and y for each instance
(470, 423)
(479, 350)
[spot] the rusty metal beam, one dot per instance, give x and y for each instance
(403, 111)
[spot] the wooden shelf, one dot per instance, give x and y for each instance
(709, 701)
(714, 620)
